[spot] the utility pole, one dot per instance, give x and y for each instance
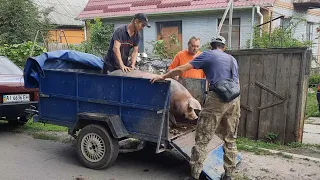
(229, 7)
(230, 23)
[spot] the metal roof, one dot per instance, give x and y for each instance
(117, 8)
(63, 12)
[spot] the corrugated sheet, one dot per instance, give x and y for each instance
(64, 12)
(131, 7)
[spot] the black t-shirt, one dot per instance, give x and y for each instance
(127, 43)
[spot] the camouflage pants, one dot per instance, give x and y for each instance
(223, 119)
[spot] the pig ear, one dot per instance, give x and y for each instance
(194, 104)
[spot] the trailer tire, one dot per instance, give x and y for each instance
(96, 149)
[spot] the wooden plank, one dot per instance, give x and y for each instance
(269, 80)
(293, 98)
(244, 75)
(282, 87)
(196, 87)
(256, 72)
(303, 92)
(266, 51)
(185, 142)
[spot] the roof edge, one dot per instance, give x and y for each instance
(167, 12)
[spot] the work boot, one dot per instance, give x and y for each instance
(226, 177)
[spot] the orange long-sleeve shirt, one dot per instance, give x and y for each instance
(183, 57)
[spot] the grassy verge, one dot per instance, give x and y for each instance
(46, 131)
(39, 130)
(312, 105)
(35, 126)
(245, 144)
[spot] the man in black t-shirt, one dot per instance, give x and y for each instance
(124, 38)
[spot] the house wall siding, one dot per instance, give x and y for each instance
(202, 26)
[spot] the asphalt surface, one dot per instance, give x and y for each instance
(311, 131)
(24, 158)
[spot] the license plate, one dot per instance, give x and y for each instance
(16, 98)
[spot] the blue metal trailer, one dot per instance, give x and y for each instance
(101, 110)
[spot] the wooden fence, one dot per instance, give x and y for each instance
(274, 86)
(55, 46)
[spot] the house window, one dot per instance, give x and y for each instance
(168, 29)
(235, 35)
(309, 31)
(285, 22)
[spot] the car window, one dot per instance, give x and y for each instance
(8, 67)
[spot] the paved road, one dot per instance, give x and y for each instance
(25, 158)
(311, 131)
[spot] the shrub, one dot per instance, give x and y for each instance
(99, 41)
(314, 80)
(18, 53)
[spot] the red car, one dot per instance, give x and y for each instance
(15, 99)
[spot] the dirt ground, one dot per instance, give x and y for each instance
(266, 167)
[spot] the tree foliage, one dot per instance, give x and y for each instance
(99, 41)
(20, 20)
(166, 50)
(280, 37)
(18, 53)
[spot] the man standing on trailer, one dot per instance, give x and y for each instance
(124, 38)
(217, 115)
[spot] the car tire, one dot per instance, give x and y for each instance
(15, 122)
(96, 149)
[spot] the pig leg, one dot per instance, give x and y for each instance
(172, 120)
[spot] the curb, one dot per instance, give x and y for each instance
(290, 154)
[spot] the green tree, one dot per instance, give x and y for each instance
(279, 37)
(166, 50)
(99, 40)
(20, 20)
(18, 53)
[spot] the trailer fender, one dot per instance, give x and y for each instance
(113, 122)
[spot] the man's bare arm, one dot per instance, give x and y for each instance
(174, 72)
(178, 70)
(116, 50)
(134, 56)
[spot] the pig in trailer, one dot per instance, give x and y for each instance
(102, 110)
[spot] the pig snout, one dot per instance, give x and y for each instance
(194, 108)
(191, 115)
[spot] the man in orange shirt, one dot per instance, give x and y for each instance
(185, 56)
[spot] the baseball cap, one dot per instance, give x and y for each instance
(218, 39)
(142, 17)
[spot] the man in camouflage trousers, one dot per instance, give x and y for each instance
(220, 118)
(217, 116)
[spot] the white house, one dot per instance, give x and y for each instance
(201, 18)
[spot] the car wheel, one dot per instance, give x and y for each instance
(96, 149)
(18, 122)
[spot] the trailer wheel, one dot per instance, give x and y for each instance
(96, 149)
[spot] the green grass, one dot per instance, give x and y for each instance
(246, 144)
(43, 131)
(243, 144)
(312, 109)
(284, 155)
(36, 126)
(38, 130)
